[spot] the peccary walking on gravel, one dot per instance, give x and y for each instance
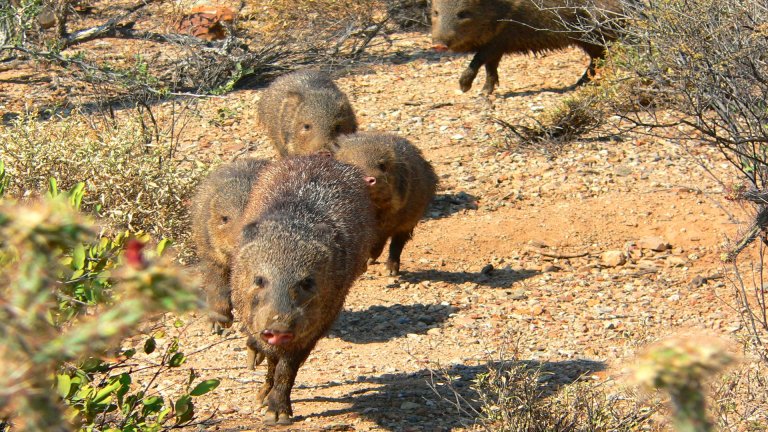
(492, 28)
(304, 112)
(401, 182)
(215, 211)
(306, 233)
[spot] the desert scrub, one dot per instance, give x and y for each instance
(67, 298)
(132, 181)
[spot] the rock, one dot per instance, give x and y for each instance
(487, 269)
(409, 406)
(656, 244)
(676, 261)
(613, 258)
(518, 294)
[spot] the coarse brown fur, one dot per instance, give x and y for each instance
(216, 209)
(303, 113)
(404, 186)
(492, 28)
(305, 238)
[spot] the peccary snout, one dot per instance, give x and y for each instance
(277, 337)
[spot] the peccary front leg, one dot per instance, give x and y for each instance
(218, 296)
(469, 74)
(396, 249)
(269, 381)
(376, 249)
(255, 357)
(491, 75)
(278, 401)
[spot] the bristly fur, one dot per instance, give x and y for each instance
(215, 210)
(305, 237)
(405, 186)
(303, 113)
(492, 28)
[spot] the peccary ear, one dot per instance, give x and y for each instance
(293, 98)
(250, 231)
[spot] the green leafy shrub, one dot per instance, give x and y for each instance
(133, 181)
(67, 298)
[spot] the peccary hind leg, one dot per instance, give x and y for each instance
(596, 53)
(278, 399)
(376, 249)
(396, 249)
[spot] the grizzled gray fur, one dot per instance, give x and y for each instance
(304, 112)
(492, 28)
(215, 210)
(401, 182)
(305, 238)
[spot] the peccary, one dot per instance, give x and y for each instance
(492, 28)
(216, 209)
(306, 233)
(304, 112)
(402, 184)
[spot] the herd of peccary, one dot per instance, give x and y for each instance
(281, 242)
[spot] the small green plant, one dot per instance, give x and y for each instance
(67, 298)
(680, 367)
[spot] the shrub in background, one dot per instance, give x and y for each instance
(133, 182)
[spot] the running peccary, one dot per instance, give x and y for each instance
(401, 182)
(215, 211)
(306, 233)
(492, 28)
(304, 112)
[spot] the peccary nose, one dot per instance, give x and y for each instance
(370, 180)
(277, 337)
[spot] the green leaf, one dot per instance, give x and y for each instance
(78, 257)
(177, 360)
(76, 195)
(204, 387)
(153, 403)
(63, 385)
(53, 188)
(150, 345)
(164, 243)
(182, 404)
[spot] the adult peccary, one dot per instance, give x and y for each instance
(306, 233)
(492, 28)
(216, 209)
(401, 182)
(304, 112)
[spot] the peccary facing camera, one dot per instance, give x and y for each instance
(304, 112)
(401, 182)
(492, 28)
(215, 210)
(306, 233)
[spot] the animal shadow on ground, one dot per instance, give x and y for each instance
(444, 205)
(493, 278)
(427, 398)
(383, 323)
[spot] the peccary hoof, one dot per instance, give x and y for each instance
(272, 418)
(465, 82)
(393, 268)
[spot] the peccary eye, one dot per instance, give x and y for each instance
(435, 13)
(463, 14)
(337, 129)
(307, 284)
(307, 127)
(382, 166)
(259, 281)
(224, 219)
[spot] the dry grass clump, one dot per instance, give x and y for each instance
(132, 181)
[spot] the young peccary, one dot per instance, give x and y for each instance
(306, 233)
(401, 182)
(215, 211)
(492, 28)
(304, 112)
